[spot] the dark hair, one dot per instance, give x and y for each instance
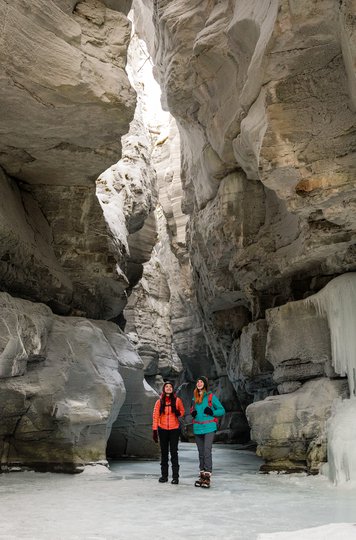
(172, 402)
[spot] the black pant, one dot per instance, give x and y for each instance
(168, 439)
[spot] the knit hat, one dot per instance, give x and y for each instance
(205, 381)
(167, 382)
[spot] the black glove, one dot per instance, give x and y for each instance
(194, 413)
(155, 435)
(208, 411)
(177, 413)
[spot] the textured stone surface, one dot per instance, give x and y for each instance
(298, 342)
(288, 428)
(162, 318)
(28, 264)
(63, 383)
(148, 317)
(247, 367)
(65, 103)
(265, 89)
(65, 97)
(264, 97)
(131, 433)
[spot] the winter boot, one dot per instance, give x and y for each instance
(163, 479)
(199, 482)
(164, 473)
(206, 480)
(175, 473)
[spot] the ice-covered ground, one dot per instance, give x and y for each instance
(129, 503)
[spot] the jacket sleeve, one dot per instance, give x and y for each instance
(218, 408)
(180, 407)
(156, 415)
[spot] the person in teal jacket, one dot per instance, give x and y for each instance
(205, 410)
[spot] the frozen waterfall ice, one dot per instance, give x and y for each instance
(341, 466)
(337, 302)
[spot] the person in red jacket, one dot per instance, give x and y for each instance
(166, 427)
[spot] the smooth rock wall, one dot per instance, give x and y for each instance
(63, 383)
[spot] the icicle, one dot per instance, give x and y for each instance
(337, 302)
(342, 443)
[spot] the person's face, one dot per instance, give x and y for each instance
(168, 388)
(200, 384)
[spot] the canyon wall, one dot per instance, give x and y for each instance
(69, 250)
(263, 94)
(202, 237)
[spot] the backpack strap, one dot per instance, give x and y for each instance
(210, 403)
(210, 400)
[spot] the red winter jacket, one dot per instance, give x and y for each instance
(168, 419)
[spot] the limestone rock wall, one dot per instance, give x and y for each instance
(66, 100)
(74, 235)
(264, 98)
(63, 382)
(290, 429)
(262, 93)
(303, 347)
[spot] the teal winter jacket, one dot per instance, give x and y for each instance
(204, 423)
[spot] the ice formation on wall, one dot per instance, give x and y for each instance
(337, 302)
(341, 466)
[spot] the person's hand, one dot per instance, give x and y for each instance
(208, 411)
(194, 413)
(155, 435)
(177, 413)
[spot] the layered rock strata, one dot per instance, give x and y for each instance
(65, 103)
(75, 244)
(309, 344)
(264, 97)
(268, 164)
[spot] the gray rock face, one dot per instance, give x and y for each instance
(162, 317)
(65, 65)
(298, 343)
(289, 428)
(65, 103)
(28, 263)
(253, 87)
(131, 431)
(63, 382)
(247, 367)
(264, 97)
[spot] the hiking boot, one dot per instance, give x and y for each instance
(199, 482)
(175, 481)
(206, 480)
(163, 479)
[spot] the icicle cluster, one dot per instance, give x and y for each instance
(342, 443)
(337, 302)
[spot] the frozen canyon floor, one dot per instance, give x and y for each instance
(127, 502)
